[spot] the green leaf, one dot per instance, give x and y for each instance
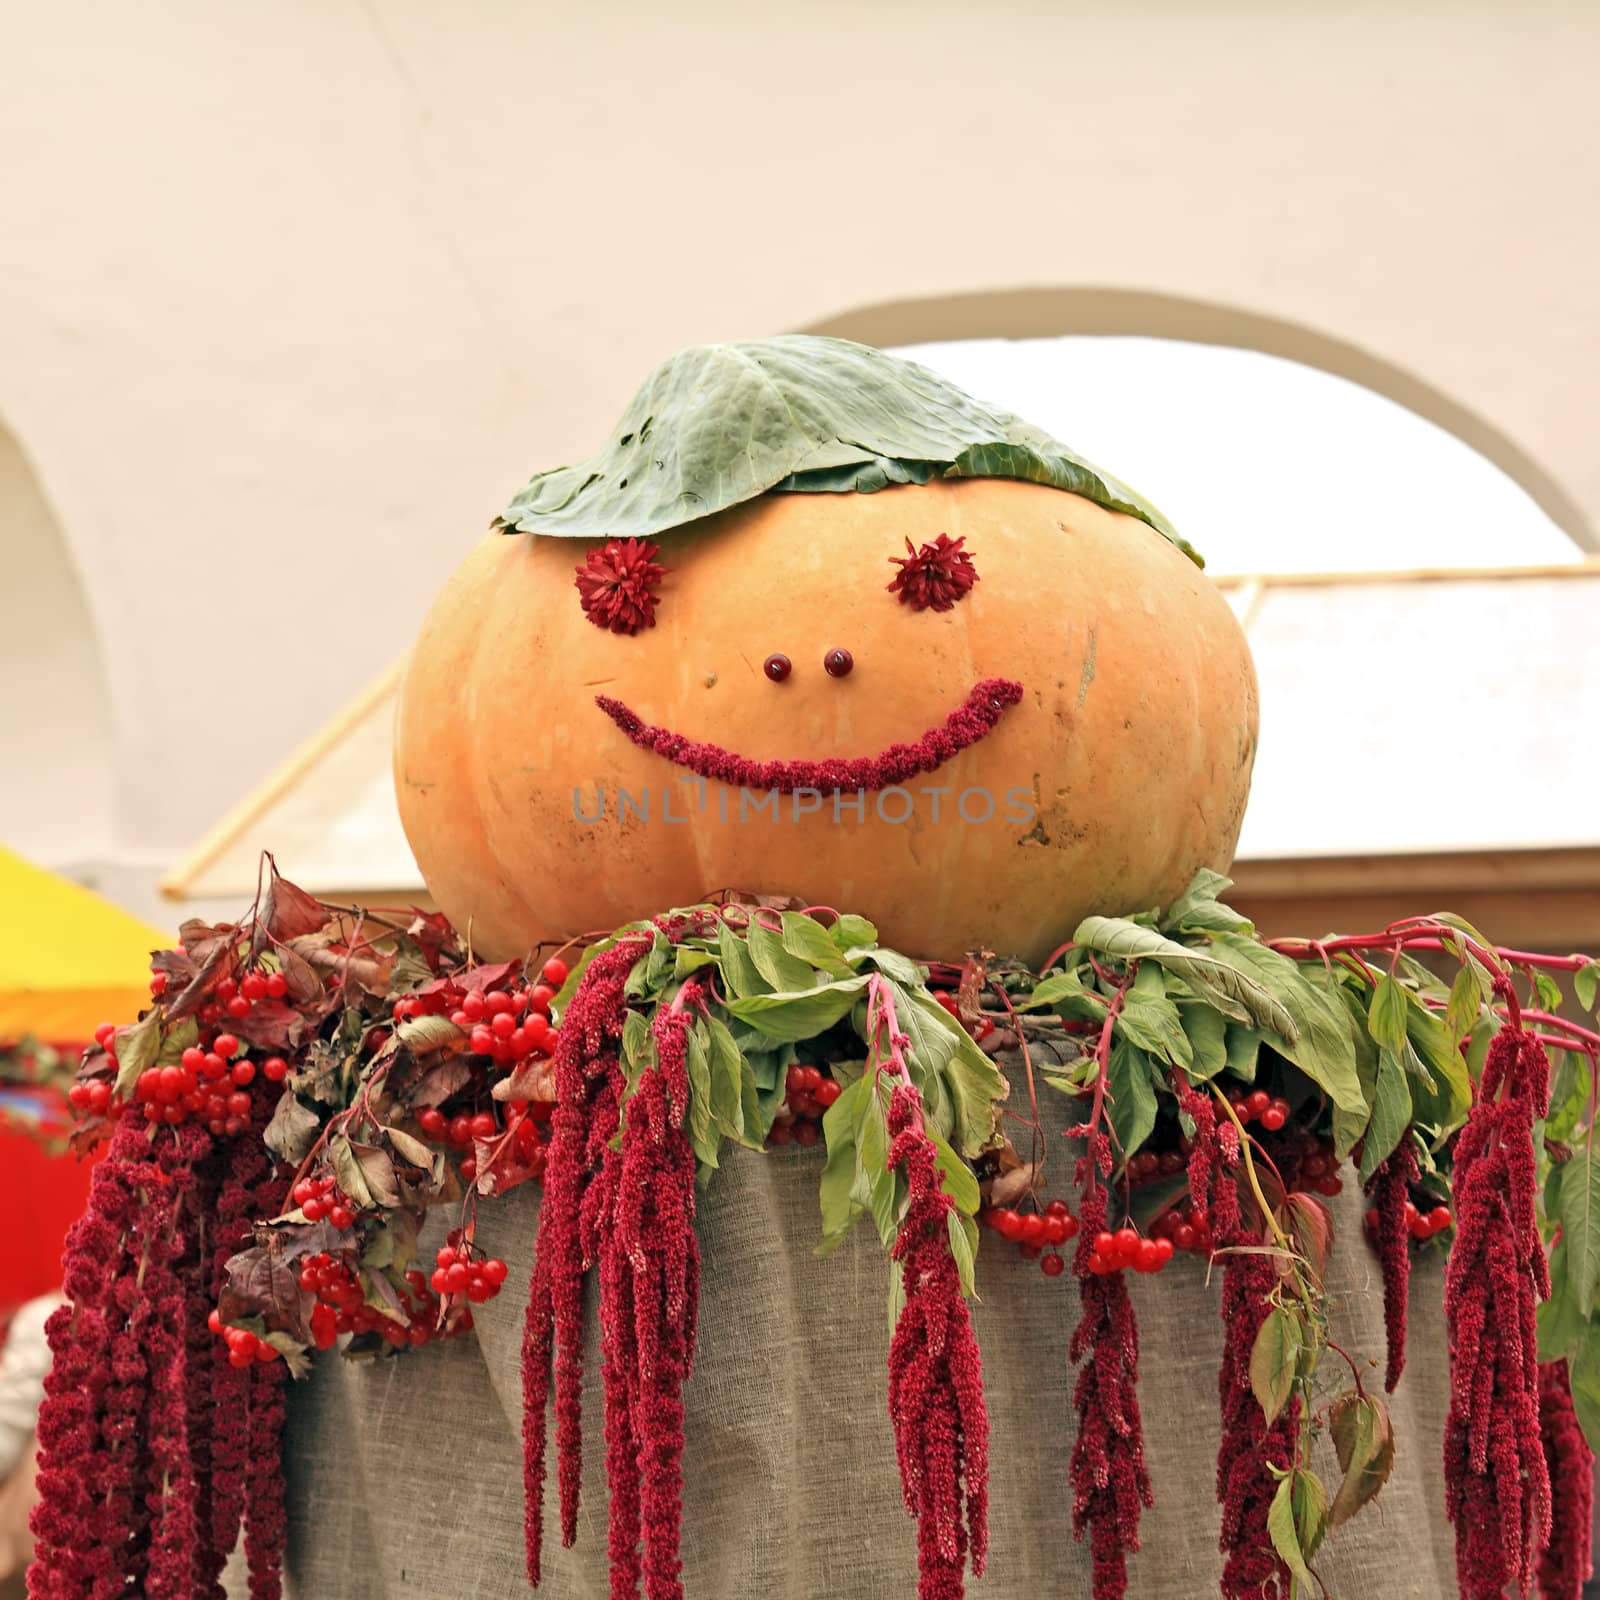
(1208, 1041)
(786, 973)
(1386, 1014)
(897, 1294)
(638, 1048)
(1198, 910)
(1580, 1222)
(1243, 1046)
(1465, 1003)
(1151, 1021)
(1289, 1509)
(853, 933)
(799, 1014)
(347, 1167)
(894, 965)
(1321, 1044)
(1448, 1098)
(738, 970)
(1129, 1078)
(1216, 973)
(963, 1233)
(717, 425)
(690, 960)
(1569, 1094)
(1584, 982)
(1363, 1436)
(137, 1047)
(1561, 1325)
(1584, 1369)
(1274, 1361)
(1391, 1113)
(703, 1134)
(807, 940)
(727, 1079)
(1065, 991)
(840, 1208)
(940, 1045)
(959, 1182)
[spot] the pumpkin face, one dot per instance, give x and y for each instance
(1087, 707)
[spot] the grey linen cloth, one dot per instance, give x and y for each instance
(405, 1475)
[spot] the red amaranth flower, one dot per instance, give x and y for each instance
(588, 1096)
(1390, 1190)
(1565, 1565)
(1497, 1484)
(1250, 1449)
(617, 584)
(936, 1404)
(975, 717)
(934, 575)
(1109, 1481)
(134, 1454)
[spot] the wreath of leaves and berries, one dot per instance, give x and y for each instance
(308, 1083)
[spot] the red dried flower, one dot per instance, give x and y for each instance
(936, 1404)
(1565, 1566)
(1497, 1484)
(1109, 1480)
(975, 717)
(588, 1097)
(1390, 1190)
(933, 576)
(617, 584)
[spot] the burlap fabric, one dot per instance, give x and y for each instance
(405, 1475)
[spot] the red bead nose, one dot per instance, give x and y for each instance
(776, 667)
(837, 663)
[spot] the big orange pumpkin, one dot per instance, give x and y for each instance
(1123, 768)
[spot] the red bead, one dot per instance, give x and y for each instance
(239, 1009)
(1256, 1102)
(1439, 1219)
(277, 986)
(472, 1004)
(1272, 1119)
(1053, 1265)
(1033, 1229)
(243, 1073)
(341, 1217)
(469, 1169)
(539, 998)
(274, 1069)
(225, 1045)
(554, 972)
(483, 1126)
(495, 1002)
(254, 986)
(837, 663)
(494, 1271)
(431, 1120)
(1127, 1244)
(503, 1025)
(104, 1033)
(827, 1092)
(805, 1134)
(1105, 1245)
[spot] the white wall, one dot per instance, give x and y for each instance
(294, 295)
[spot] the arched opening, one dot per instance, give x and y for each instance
(57, 803)
(1126, 313)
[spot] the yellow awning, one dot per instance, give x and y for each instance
(68, 959)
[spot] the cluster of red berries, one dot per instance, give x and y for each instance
(1031, 1231)
(1259, 1106)
(234, 997)
(1184, 1228)
(208, 1084)
(1149, 1165)
(984, 1026)
(459, 1270)
(342, 1306)
(807, 1096)
(1114, 1251)
(244, 1348)
(322, 1197)
(1420, 1224)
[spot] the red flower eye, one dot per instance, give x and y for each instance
(617, 585)
(935, 576)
